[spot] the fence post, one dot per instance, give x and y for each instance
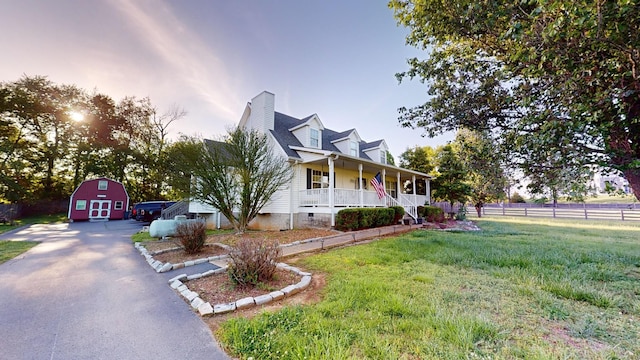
(554, 213)
(585, 214)
(525, 212)
(502, 209)
(622, 214)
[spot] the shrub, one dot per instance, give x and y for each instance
(192, 235)
(462, 213)
(254, 261)
(517, 198)
(433, 214)
(348, 219)
(398, 213)
(364, 218)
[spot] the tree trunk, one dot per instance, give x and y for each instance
(633, 177)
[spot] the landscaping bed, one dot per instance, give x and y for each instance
(220, 289)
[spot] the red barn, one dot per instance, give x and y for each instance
(99, 199)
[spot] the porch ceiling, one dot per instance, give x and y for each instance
(371, 167)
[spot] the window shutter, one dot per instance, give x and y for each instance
(309, 175)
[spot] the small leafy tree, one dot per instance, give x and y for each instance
(419, 158)
(239, 176)
(450, 183)
(486, 177)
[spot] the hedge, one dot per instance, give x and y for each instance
(364, 218)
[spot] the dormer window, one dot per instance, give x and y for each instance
(314, 138)
(353, 148)
(383, 156)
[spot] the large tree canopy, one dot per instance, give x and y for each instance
(555, 77)
(52, 137)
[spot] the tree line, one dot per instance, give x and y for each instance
(52, 137)
(473, 169)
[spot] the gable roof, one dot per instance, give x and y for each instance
(283, 124)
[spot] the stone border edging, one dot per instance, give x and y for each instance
(205, 308)
(161, 267)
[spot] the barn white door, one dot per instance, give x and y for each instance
(99, 209)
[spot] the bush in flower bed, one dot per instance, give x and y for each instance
(433, 214)
(192, 235)
(254, 261)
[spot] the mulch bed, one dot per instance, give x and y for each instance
(179, 256)
(219, 289)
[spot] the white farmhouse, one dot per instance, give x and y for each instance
(332, 171)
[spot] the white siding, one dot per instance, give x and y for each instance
(262, 112)
(302, 134)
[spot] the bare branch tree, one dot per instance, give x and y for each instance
(240, 175)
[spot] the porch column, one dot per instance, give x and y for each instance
(360, 190)
(291, 203)
(415, 195)
(398, 186)
(331, 189)
(427, 186)
(384, 185)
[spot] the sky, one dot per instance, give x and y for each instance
(337, 59)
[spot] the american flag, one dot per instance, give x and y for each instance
(376, 182)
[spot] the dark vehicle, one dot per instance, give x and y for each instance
(148, 211)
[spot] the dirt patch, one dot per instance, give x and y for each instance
(179, 256)
(282, 237)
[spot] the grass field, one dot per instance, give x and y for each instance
(521, 288)
(43, 219)
(11, 249)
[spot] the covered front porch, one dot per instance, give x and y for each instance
(338, 181)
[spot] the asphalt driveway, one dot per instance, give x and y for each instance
(86, 293)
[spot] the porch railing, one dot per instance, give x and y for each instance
(179, 208)
(351, 198)
(341, 197)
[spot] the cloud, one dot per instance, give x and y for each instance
(191, 62)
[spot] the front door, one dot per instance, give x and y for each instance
(99, 209)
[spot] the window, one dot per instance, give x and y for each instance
(102, 185)
(364, 184)
(118, 205)
(391, 188)
(314, 137)
(319, 179)
(383, 157)
(353, 148)
(81, 204)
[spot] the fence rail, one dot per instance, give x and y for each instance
(566, 213)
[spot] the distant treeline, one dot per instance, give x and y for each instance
(52, 137)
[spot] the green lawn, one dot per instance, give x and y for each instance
(521, 288)
(42, 219)
(11, 249)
